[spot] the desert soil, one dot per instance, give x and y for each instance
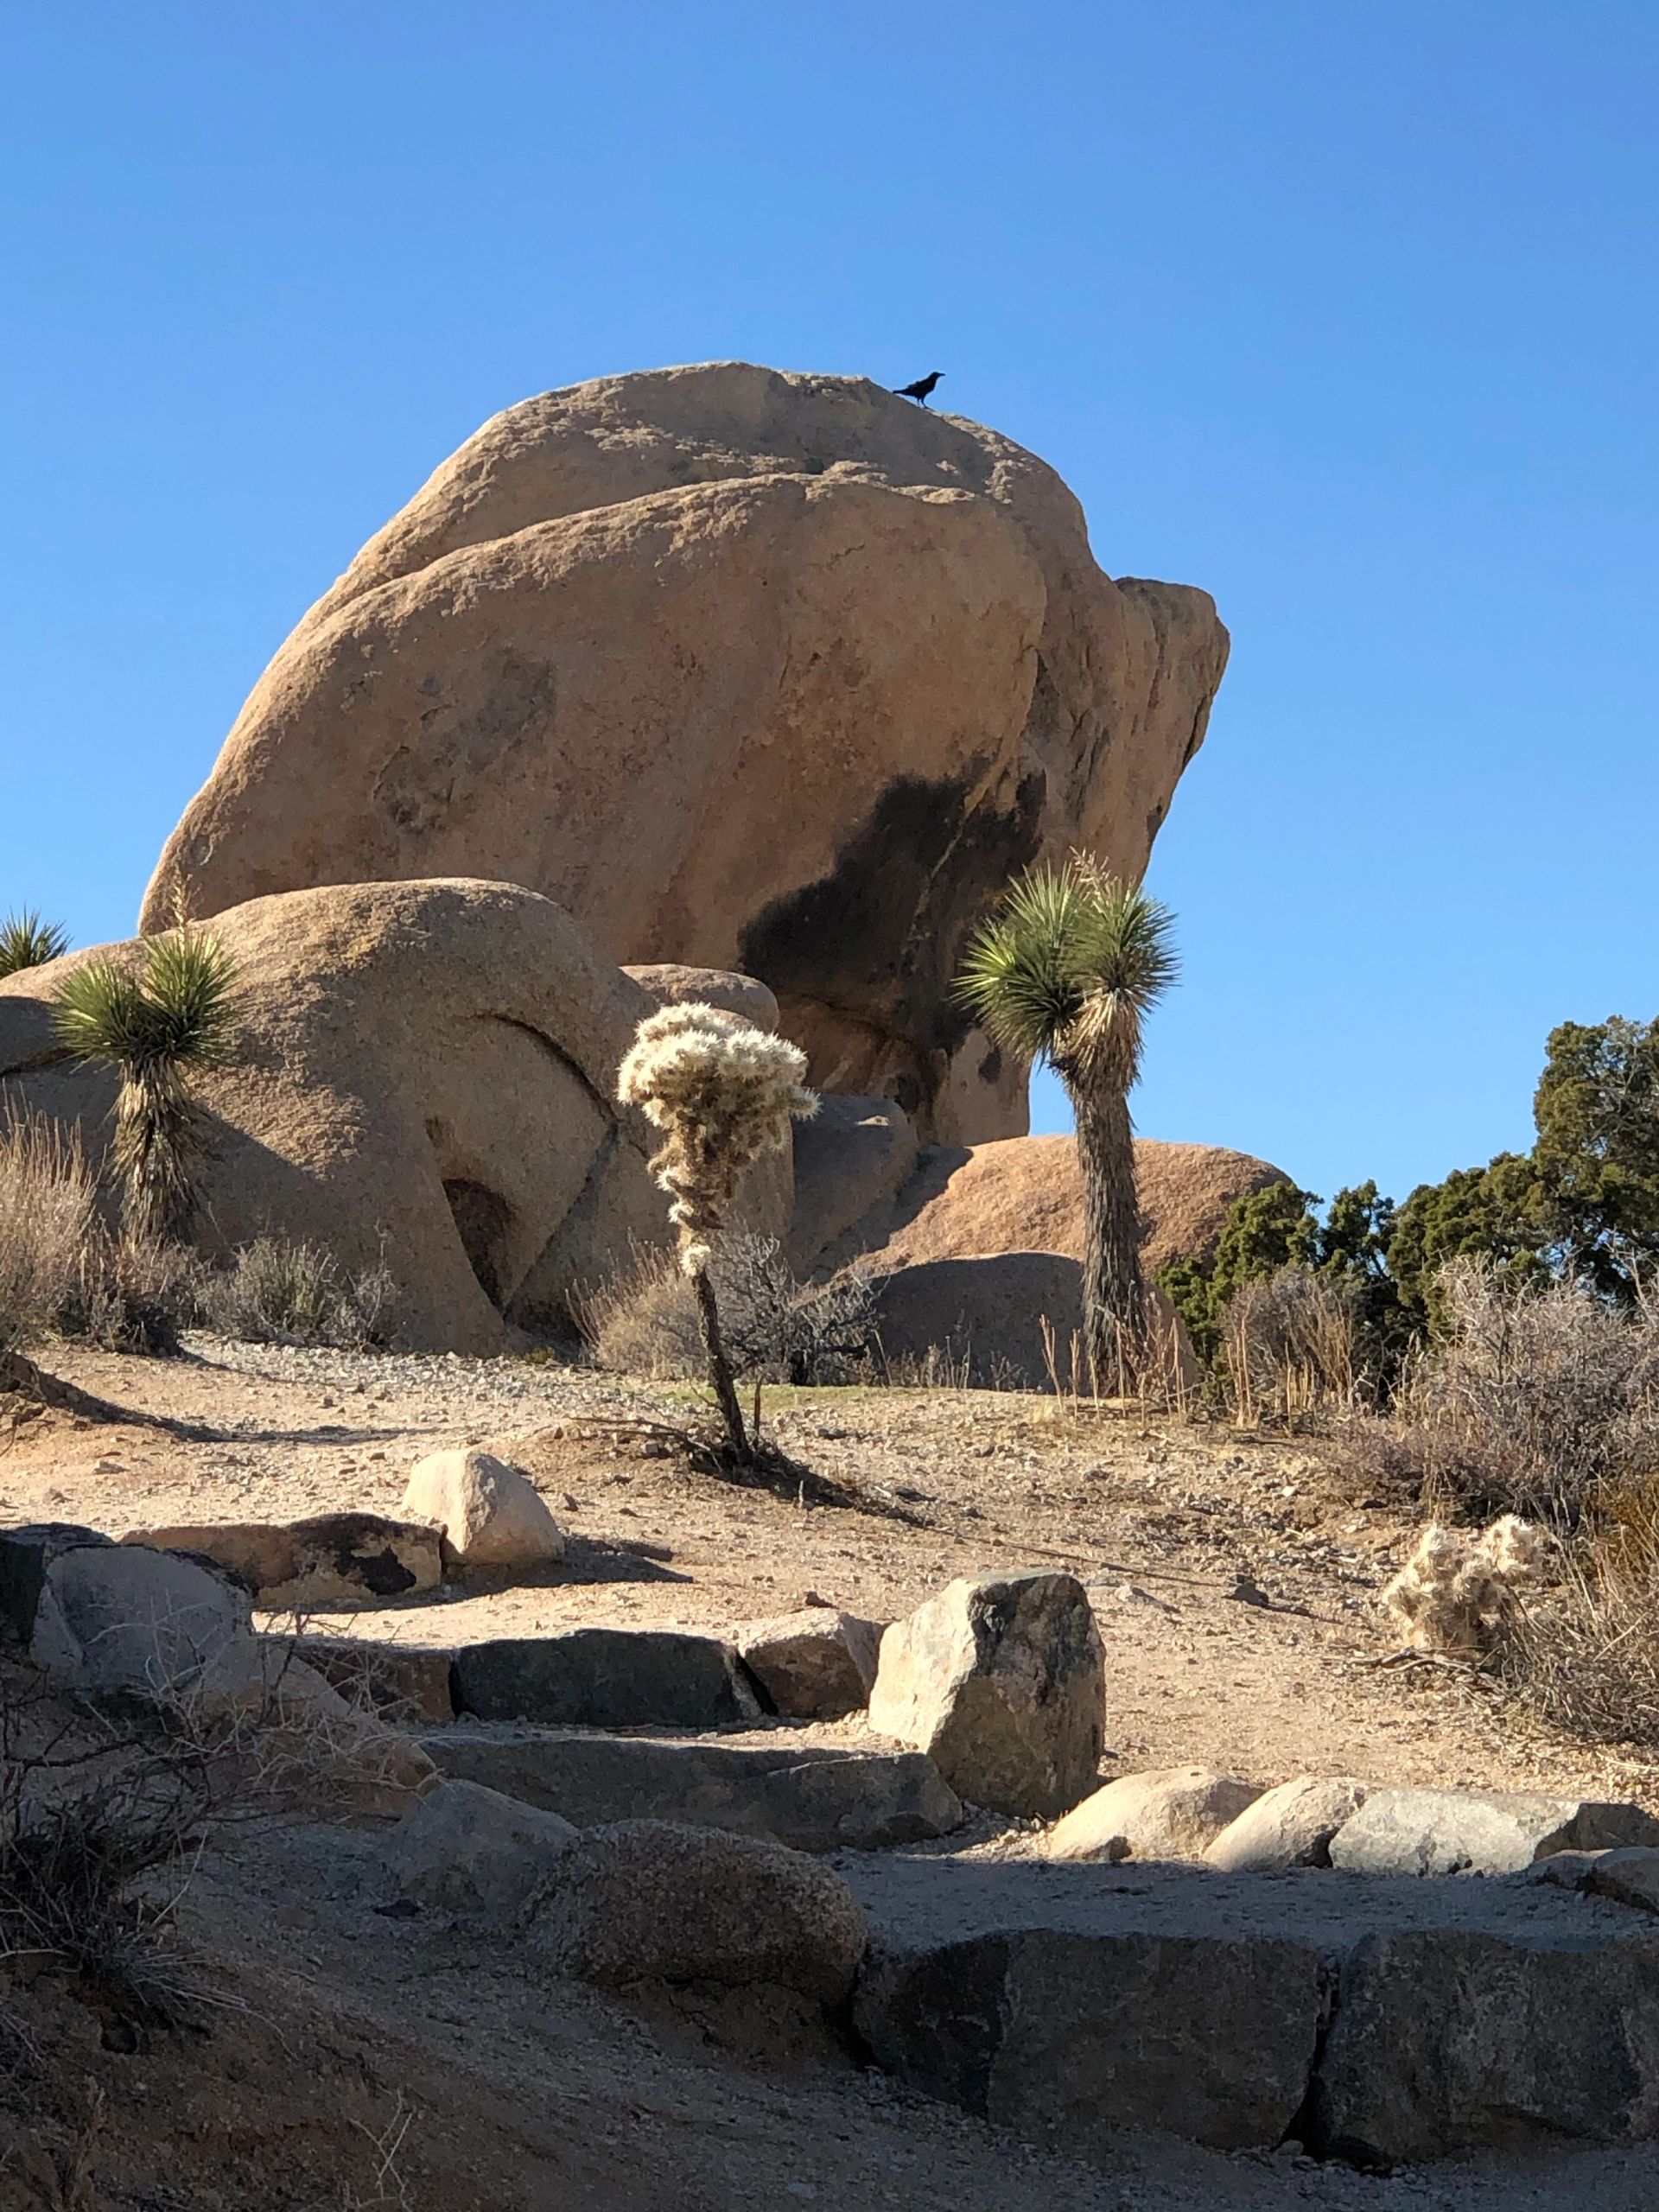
(504, 2089)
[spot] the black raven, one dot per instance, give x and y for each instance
(922, 386)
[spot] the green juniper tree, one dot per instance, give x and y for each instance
(1066, 971)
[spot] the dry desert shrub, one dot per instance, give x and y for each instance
(47, 1217)
(277, 1292)
(131, 1296)
(1287, 1347)
(776, 1328)
(1540, 1403)
(1584, 1660)
(1458, 1593)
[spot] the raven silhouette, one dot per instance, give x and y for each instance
(922, 386)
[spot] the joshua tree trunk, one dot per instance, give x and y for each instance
(720, 1367)
(1114, 1317)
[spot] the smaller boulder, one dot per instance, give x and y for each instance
(1003, 1682)
(646, 1900)
(814, 1665)
(606, 1678)
(1630, 1876)
(1479, 1831)
(332, 1558)
(1291, 1825)
(491, 1515)
(1173, 1812)
(25, 1556)
(406, 1683)
(468, 1850)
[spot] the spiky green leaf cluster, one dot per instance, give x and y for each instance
(176, 1011)
(26, 941)
(1067, 968)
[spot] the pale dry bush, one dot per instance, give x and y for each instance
(1459, 1593)
(278, 1292)
(1540, 1403)
(1287, 1347)
(131, 1295)
(1586, 1661)
(47, 1196)
(776, 1328)
(724, 1093)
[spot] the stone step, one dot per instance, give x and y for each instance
(606, 1678)
(1379, 2020)
(812, 1797)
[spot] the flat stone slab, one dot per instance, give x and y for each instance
(1478, 1832)
(1379, 2019)
(606, 1678)
(812, 1797)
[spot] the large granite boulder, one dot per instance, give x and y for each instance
(758, 670)
(423, 1078)
(1002, 1682)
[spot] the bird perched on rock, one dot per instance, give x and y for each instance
(922, 386)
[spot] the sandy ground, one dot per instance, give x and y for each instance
(335, 2029)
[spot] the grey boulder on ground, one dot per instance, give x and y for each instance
(111, 1617)
(852, 1160)
(1076, 2037)
(812, 1797)
(1291, 1825)
(1170, 1813)
(1002, 1682)
(606, 1678)
(1477, 1831)
(468, 1850)
(331, 1558)
(1454, 2040)
(922, 672)
(647, 1900)
(490, 1514)
(818, 1664)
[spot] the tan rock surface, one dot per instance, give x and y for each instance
(423, 1076)
(1171, 1813)
(491, 1515)
(1022, 1194)
(757, 671)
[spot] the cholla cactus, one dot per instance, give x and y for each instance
(1457, 1591)
(722, 1093)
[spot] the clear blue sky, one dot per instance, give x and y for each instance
(1346, 312)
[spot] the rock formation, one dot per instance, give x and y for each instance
(423, 1075)
(762, 672)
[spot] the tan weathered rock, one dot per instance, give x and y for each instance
(1170, 1813)
(1291, 1825)
(423, 1078)
(1002, 1681)
(330, 1559)
(719, 657)
(646, 1899)
(490, 1514)
(1023, 1194)
(815, 1665)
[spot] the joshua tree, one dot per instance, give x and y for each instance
(155, 1026)
(1065, 970)
(722, 1093)
(28, 942)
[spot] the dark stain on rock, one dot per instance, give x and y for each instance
(880, 935)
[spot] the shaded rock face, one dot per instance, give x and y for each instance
(719, 657)
(423, 1078)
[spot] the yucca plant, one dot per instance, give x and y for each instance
(28, 942)
(1066, 971)
(724, 1093)
(155, 1025)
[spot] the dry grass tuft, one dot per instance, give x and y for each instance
(46, 1220)
(776, 1328)
(281, 1293)
(1287, 1348)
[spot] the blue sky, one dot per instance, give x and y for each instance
(1347, 313)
